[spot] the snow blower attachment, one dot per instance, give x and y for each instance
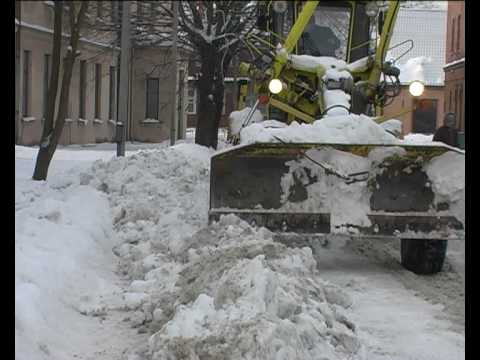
(363, 185)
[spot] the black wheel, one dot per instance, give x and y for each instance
(423, 256)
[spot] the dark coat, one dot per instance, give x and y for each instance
(447, 135)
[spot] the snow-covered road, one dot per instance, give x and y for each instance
(116, 261)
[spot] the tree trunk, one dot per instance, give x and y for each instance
(50, 137)
(211, 90)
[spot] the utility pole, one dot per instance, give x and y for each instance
(175, 72)
(121, 125)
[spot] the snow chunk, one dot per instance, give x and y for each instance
(413, 69)
(311, 62)
(420, 139)
(447, 174)
(237, 119)
(393, 126)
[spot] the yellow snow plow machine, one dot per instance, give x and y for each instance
(322, 163)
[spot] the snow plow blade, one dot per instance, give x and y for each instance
(274, 185)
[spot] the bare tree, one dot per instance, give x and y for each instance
(52, 130)
(213, 31)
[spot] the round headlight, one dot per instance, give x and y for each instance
(371, 9)
(416, 88)
(279, 6)
(275, 86)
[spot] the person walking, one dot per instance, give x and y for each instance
(447, 133)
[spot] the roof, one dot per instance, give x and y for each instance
(427, 29)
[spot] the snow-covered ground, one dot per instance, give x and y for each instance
(115, 260)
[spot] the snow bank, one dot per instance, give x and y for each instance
(238, 118)
(63, 264)
(223, 291)
(344, 129)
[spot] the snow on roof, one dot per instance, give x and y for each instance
(459, 61)
(427, 29)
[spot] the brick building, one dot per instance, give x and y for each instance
(455, 62)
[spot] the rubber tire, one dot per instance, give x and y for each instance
(423, 256)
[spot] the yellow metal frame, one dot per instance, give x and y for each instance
(292, 102)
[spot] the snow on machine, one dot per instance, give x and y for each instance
(325, 165)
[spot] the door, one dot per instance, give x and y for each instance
(425, 116)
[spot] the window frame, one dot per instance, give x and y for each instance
(193, 98)
(26, 83)
(458, 32)
(98, 91)
(82, 103)
(46, 79)
(112, 92)
(157, 99)
(453, 34)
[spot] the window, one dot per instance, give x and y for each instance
(27, 62)
(453, 34)
(317, 41)
(83, 88)
(458, 32)
(191, 98)
(425, 116)
(111, 93)
(460, 107)
(152, 98)
(450, 100)
(46, 78)
(456, 101)
(99, 9)
(224, 102)
(115, 11)
(98, 90)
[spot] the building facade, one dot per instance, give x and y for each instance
(455, 62)
(426, 28)
(92, 108)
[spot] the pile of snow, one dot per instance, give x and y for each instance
(413, 69)
(63, 264)
(222, 291)
(242, 295)
(237, 119)
(344, 129)
(414, 138)
(447, 174)
(393, 126)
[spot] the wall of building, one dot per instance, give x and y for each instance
(455, 62)
(455, 93)
(455, 49)
(39, 43)
(406, 101)
(35, 35)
